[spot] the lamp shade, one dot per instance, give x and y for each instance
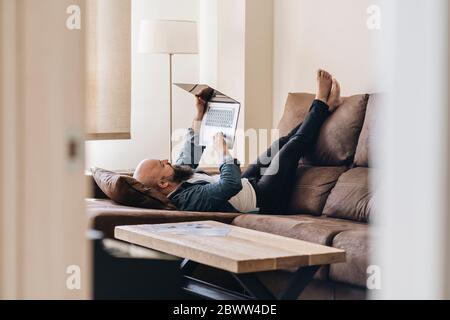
(168, 36)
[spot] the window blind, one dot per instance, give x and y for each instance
(108, 30)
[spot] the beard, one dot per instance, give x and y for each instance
(182, 173)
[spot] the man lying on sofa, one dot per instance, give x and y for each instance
(252, 191)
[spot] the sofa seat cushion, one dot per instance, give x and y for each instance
(358, 248)
(105, 215)
(319, 230)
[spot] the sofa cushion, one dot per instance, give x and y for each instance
(125, 190)
(356, 243)
(338, 138)
(351, 197)
(296, 109)
(313, 185)
(105, 215)
(319, 230)
(366, 139)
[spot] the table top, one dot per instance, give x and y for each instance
(229, 248)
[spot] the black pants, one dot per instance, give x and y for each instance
(274, 180)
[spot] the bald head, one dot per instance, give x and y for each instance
(161, 175)
(151, 173)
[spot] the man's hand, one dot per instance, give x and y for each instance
(201, 105)
(220, 144)
(202, 98)
(201, 109)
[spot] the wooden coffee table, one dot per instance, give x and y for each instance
(242, 252)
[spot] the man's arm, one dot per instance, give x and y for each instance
(192, 152)
(229, 185)
(230, 182)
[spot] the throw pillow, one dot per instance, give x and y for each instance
(126, 190)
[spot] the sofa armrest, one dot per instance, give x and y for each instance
(105, 215)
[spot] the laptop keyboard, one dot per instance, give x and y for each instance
(221, 118)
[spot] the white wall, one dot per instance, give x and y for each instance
(245, 65)
(231, 48)
(307, 35)
(225, 62)
(259, 74)
(150, 94)
(316, 34)
(208, 29)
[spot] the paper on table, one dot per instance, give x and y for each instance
(192, 229)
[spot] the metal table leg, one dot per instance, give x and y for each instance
(299, 281)
(253, 287)
(187, 267)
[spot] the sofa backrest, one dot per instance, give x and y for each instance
(334, 178)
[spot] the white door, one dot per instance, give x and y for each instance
(412, 222)
(44, 252)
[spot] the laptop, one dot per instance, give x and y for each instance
(222, 114)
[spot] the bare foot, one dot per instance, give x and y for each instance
(334, 100)
(324, 83)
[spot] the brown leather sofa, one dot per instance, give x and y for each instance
(330, 205)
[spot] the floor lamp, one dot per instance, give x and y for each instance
(168, 37)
